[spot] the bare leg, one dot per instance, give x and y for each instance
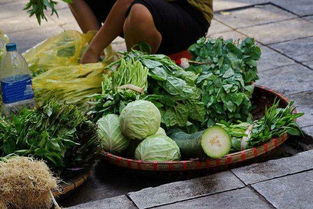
(139, 27)
(84, 16)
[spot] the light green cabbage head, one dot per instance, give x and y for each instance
(110, 135)
(157, 148)
(140, 119)
(161, 131)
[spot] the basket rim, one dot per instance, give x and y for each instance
(71, 184)
(264, 146)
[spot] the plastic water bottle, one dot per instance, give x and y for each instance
(16, 82)
(2, 48)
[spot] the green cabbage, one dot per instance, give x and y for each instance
(110, 135)
(157, 148)
(161, 131)
(140, 119)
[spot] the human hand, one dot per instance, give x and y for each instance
(89, 57)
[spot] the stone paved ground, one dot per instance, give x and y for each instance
(284, 30)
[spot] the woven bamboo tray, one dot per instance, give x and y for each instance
(262, 98)
(70, 185)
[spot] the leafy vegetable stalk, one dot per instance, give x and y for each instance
(38, 8)
(170, 88)
(56, 133)
(226, 71)
(275, 122)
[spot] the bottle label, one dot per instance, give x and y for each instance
(16, 88)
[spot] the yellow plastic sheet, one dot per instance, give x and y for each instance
(57, 72)
(72, 84)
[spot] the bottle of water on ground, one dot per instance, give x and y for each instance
(3, 41)
(16, 82)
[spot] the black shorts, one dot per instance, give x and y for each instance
(179, 23)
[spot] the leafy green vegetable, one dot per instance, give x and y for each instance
(275, 122)
(56, 133)
(157, 148)
(140, 119)
(160, 131)
(38, 8)
(226, 71)
(171, 89)
(110, 135)
(127, 82)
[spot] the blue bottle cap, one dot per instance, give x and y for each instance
(10, 47)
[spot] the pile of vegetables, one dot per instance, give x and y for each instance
(141, 105)
(226, 71)
(194, 103)
(58, 133)
(139, 121)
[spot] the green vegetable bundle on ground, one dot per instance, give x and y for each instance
(57, 133)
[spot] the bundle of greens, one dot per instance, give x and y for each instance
(126, 82)
(226, 71)
(275, 122)
(170, 88)
(39, 7)
(56, 133)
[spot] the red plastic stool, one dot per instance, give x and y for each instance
(177, 56)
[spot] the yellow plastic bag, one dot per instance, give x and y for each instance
(4, 39)
(57, 72)
(60, 50)
(71, 84)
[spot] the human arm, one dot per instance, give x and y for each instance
(112, 27)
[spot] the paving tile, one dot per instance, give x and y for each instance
(231, 4)
(2, 2)
(237, 199)
(300, 7)
(275, 168)
(308, 130)
(288, 79)
(120, 46)
(254, 16)
(309, 64)
(29, 38)
(13, 9)
(304, 103)
(271, 59)
(22, 23)
(109, 203)
(119, 40)
(228, 35)
(61, 5)
(280, 31)
(309, 18)
(290, 192)
(217, 27)
(183, 190)
(71, 26)
(64, 16)
(299, 49)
